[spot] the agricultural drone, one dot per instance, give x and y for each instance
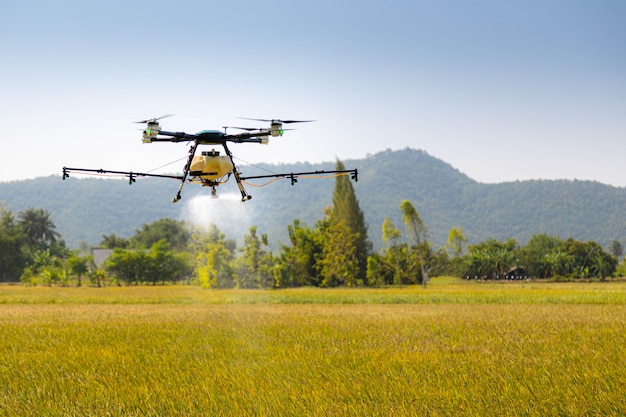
(210, 169)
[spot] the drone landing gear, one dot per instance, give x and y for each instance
(244, 194)
(192, 152)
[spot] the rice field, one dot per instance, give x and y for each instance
(455, 348)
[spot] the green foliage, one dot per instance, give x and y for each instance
(176, 233)
(112, 241)
(588, 260)
(543, 257)
(617, 249)
(38, 227)
(297, 266)
(31, 249)
(45, 268)
(391, 234)
(491, 259)
(159, 263)
(79, 266)
(417, 231)
(401, 263)
(621, 268)
(13, 250)
(346, 210)
(338, 263)
(456, 241)
(533, 254)
(214, 259)
(254, 268)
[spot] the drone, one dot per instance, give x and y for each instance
(209, 168)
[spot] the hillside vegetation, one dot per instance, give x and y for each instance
(85, 209)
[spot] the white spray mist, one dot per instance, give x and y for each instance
(227, 212)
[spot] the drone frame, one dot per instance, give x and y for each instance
(153, 133)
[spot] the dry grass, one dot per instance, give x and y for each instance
(452, 349)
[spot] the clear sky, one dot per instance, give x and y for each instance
(500, 89)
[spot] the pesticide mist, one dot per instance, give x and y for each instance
(227, 212)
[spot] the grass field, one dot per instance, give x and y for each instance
(455, 348)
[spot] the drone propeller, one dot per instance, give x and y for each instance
(277, 120)
(251, 129)
(154, 119)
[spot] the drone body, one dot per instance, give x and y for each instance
(210, 169)
(210, 166)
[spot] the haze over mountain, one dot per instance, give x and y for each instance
(85, 209)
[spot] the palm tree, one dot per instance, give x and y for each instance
(37, 226)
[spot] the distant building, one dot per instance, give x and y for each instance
(100, 255)
(517, 273)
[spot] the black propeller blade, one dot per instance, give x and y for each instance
(154, 119)
(277, 120)
(252, 129)
(249, 129)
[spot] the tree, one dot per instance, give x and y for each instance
(532, 256)
(491, 259)
(125, 265)
(338, 263)
(161, 263)
(589, 260)
(451, 258)
(417, 230)
(617, 250)
(38, 227)
(456, 241)
(45, 267)
(79, 266)
(112, 241)
(254, 266)
(346, 209)
(13, 254)
(297, 263)
(378, 271)
(400, 263)
(175, 232)
(395, 265)
(215, 254)
(391, 234)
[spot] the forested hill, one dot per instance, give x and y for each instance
(86, 209)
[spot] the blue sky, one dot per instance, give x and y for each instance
(502, 90)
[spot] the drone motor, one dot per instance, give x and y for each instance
(276, 128)
(151, 132)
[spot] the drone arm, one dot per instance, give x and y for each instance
(263, 139)
(131, 175)
(173, 137)
(294, 175)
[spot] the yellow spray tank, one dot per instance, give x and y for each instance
(210, 166)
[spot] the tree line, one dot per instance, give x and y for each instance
(335, 251)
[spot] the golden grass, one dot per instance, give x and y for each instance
(499, 350)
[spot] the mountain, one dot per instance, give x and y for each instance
(85, 209)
